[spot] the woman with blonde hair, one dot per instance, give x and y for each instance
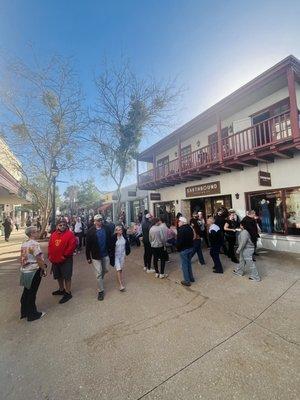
(120, 247)
(33, 267)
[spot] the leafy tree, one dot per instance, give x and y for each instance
(43, 118)
(82, 195)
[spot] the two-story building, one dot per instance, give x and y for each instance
(12, 193)
(243, 153)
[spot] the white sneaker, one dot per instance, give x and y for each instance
(162, 276)
(156, 275)
(150, 271)
(145, 269)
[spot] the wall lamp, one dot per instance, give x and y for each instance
(237, 196)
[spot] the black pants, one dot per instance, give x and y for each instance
(79, 235)
(147, 255)
(215, 255)
(205, 237)
(231, 243)
(7, 233)
(159, 253)
(28, 307)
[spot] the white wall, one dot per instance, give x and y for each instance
(284, 173)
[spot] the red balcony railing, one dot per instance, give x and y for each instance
(269, 132)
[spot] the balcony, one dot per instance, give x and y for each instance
(261, 142)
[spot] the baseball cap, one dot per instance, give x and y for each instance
(98, 217)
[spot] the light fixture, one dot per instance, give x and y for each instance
(54, 169)
(198, 143)
(176, 154)
(237, 196)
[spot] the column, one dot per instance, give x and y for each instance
(293, 104)
(219, 136)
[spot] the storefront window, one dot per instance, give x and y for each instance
(165, 210)
(293, 211)
(278, 210)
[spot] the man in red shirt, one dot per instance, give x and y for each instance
(62, 245)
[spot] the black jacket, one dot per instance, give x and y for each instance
(215, 237)
(92, 249)
(146, 225)
(113, 248)
(185, 237)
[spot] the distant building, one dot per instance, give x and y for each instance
(12, 194)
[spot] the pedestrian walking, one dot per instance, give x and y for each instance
(246, 248)
(216, 241)
(79, 231)
(231, 227)
(62, 244)
(220, 219)
(8, 226)
(146, 225)
(158, 242)
(98, 248)
(119, 248)
(197, 242)
(33, 267)
(203, 230)
(184, 244)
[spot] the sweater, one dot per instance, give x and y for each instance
(92, 249)
(185, 237)
(215, 235)
(244, 241)
(157, 237)
(61, 246)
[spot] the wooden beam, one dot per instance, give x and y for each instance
(293, 103)
(283, 155)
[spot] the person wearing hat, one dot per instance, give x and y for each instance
(146, 225)
(62, 244)
(98, 248)
(184, 244)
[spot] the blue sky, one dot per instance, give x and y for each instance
(213, 47)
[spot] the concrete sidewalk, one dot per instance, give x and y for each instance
(224, 338)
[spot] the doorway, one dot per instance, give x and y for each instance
(210, 205)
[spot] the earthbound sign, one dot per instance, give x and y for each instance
(203, 190)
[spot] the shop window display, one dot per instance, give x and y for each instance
(293, 211)
(269, 208)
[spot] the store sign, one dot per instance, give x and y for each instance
(203, 190)
(264, 178)
(155, 196)
(131, 193)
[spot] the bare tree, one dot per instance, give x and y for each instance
(43, 118)
(127, 109)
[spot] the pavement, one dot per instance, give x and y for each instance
(225, 337)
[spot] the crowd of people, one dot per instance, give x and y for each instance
(106, 243)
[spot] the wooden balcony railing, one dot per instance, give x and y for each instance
(269, 132)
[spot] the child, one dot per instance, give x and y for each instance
(120, 247)
(246, 250)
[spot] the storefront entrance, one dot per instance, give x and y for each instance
(165, 210)
(209, 205)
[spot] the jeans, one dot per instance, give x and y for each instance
(147, 255)
(215, 255)
(28, 307)
(186, 264)
(197, 249)
(159, 253)
(246, 260)
(101, 267)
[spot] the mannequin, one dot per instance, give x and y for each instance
(278, 220)
(265, 216)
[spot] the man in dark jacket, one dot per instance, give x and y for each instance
(215, 240)
(184, 244)
(146, 225)
(98, 248)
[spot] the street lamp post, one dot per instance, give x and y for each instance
(54, 173)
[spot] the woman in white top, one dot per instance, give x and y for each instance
(33, 267)
(120, 248)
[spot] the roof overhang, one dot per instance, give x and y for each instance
(263, 85)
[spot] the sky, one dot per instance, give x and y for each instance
(211, 47)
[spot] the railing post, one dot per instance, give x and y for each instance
(293, 104)
(219, 138)
(137, 171)
(179, 156)
(154, 167)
